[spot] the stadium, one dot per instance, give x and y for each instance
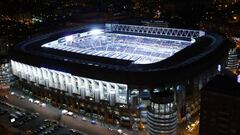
(132, 75)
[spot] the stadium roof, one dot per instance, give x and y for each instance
(206, 52)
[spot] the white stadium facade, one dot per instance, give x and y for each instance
(131, 75)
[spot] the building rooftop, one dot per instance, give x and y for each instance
(180, 66)
(225, 84)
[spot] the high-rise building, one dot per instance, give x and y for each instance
(162, 113)
(6, 75)
(220, 106)
(232, 62)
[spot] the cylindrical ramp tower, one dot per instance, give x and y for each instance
(162, 113)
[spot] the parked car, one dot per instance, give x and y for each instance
(93, 122)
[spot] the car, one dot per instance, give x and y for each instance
(70, 113)
(6, 97)
(30, 100)
(84, 118)
(93, 122)
(12, 115)
(43, 105)
(73, 130)
(46, 120)
(22, 97)
(46, 133)
(36, 115)
(37, 102)
(12, 93)
(12, 120)
(19, 114)
(110, 129)
(119, 131)
(36, 131)
(64, 111)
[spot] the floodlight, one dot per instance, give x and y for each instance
(69, 38)
(96, 31)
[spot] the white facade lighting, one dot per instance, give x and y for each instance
(219, 68)
(238, 78)
(80, 84)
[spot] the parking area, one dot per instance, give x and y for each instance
(21, 121)
(64, 116)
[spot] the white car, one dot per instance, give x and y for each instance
(64, 111)
(84, 119)
(37, 102)
(43, 105)
(22, 97)
(12, 120)
(70, 113)
(93, 122)
(119, 131)
(30, 100)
